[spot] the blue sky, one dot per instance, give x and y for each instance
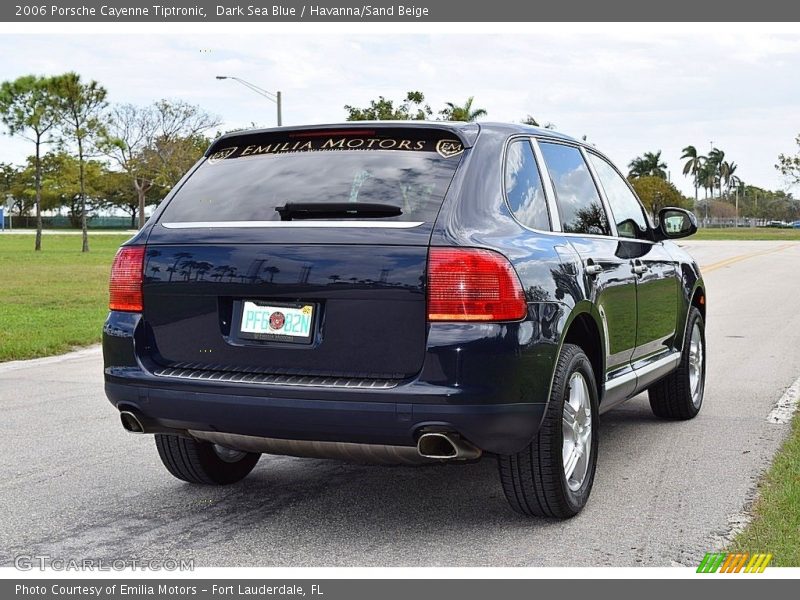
(628, 92)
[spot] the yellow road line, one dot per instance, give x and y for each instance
(741, 257)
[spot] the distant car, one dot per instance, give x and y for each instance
(403, 293)
(796, 224)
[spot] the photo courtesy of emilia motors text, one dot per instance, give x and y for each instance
(424, 299)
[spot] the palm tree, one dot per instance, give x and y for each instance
(708, 178)
(716, 156)
(637, 167)
(656, 166)
(219, 272)
(715, 159)
(648, 165)
(726, 174)
(201, 268)
(693, 165)
(178, 258)
(454, 112)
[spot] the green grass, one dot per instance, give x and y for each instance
(776, 514)
(53, 300)
(747, 233)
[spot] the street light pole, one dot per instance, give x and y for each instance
(272, 97)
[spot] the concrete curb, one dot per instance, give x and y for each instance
(16, 365)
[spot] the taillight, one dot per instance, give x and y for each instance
(125, 287)
(469, 284)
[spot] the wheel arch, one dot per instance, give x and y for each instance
(584, 327)
(699, 299)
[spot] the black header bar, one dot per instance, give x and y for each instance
(413, 11)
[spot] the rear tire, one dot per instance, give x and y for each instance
(679, 395)
(202, 462)
(552, 477)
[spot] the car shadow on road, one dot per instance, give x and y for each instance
(293, 511)
(300, 501)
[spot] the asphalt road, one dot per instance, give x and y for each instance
(75, 485)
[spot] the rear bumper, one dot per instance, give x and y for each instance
(479, 381)
(504, 428)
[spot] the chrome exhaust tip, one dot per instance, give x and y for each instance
(130, 422)
(446, 446)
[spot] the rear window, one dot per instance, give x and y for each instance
(249, 178)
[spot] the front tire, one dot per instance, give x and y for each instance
(202, 462)
(553, 475)
(679, 395)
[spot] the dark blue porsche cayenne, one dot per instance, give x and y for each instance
(402, 293)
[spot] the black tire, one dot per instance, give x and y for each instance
(534, 480)
(672, 397)
(198, 462)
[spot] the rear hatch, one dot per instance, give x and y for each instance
(300, 253)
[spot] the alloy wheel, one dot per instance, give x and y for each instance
(577, 432)
(696, 359)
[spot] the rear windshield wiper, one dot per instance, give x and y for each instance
(332, 210)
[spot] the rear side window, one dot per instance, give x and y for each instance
(628, 213)
(524, 186)
(250, 177)
(579, 204)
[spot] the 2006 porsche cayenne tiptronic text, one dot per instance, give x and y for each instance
(402, 293)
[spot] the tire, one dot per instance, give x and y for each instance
(202, 462)
(679, 396)
(535, 480)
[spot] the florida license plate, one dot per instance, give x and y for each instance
(277, 322)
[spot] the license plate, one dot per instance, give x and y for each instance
(277, 322)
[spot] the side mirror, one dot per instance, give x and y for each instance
(674, 223)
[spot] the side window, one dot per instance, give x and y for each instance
(627, 211)
(579, 204)
(524, 186)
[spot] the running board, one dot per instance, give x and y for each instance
(631, 383)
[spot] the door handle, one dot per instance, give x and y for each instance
(593, 269)
(639, 268)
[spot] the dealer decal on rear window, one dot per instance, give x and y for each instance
(222, 154)
(446, 148)
(449, 148)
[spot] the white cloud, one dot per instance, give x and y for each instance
(630, 91)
